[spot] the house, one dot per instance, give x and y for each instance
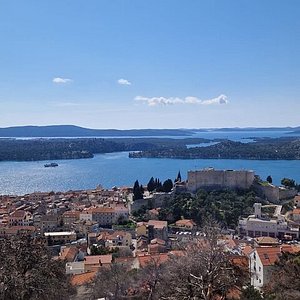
(265, 241)
(20, 218)
(141, 229)
(107, 216)
(94, 262)
(69, 217)
(157, 246)
(61, 237)
(86, 216)
(259, 225)
(115, 238)
(157, 229)
(14, 230)
(185, 223)
(296, 215)
(262, 263)
(80, 281)
(49, 222)
(68, 253)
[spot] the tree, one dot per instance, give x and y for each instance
(250, 293)
(178, 178)
(285, 281)
(28, 272)
(137, 193)
(151, 185)
(205, 271)
(269, 179)
(288, 182)
(167, 186)
(112, 282)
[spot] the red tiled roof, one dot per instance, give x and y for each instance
(18, 214)
(102, 210)
(95, 259)
(72, 214)
(80, 279)
(158, 224)
(185, 222)
(296, 211)
(68, 253)
(269, 255)
(144, 260)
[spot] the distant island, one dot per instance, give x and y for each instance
(261, 149)
(76, 148)
(76, 131)
(285, 148)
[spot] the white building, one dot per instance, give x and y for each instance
(257, 225)
(261, 263)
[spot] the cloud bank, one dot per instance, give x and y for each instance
(153, 101)
(124, 82)
(60, 80)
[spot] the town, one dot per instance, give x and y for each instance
(92, 230)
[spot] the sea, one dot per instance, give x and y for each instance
(117, 169)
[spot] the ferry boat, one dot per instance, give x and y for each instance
(51, 165)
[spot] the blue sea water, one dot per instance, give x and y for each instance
(116, 169)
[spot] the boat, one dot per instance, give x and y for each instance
(51, 165)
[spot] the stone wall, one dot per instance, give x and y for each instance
(154, 201)
(211, 179)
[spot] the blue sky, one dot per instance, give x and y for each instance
(150, 64)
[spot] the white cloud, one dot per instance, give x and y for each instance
(61, 80)
(222, 99)
(124, 82)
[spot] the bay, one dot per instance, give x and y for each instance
(117, 169)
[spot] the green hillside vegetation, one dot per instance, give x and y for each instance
(262, 149)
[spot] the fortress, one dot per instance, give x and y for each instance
(211, 179)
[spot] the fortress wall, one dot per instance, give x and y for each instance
(219, 179)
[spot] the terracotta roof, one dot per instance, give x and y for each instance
(266, 240)
(72, 214)
(96, 259)
(102, 210)
(18, 214)
(138, 224)
(144, 260)
(80, 279)
(240, 260)
(158, 224)
(68, 253)
(17, 229)
(269, 255)
(158, 241)
(247, 250)
(185, 222)
(296, 211)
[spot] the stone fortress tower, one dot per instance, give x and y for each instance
(211, 179)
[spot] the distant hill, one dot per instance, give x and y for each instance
(76, 131)
(258, 129)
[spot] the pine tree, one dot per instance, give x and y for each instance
(167, 186)
(151, 185)
(137, 193)
(269, 179)
(178, 179)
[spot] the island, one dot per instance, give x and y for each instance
(260, 149)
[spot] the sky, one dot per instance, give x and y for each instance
(150, 64)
